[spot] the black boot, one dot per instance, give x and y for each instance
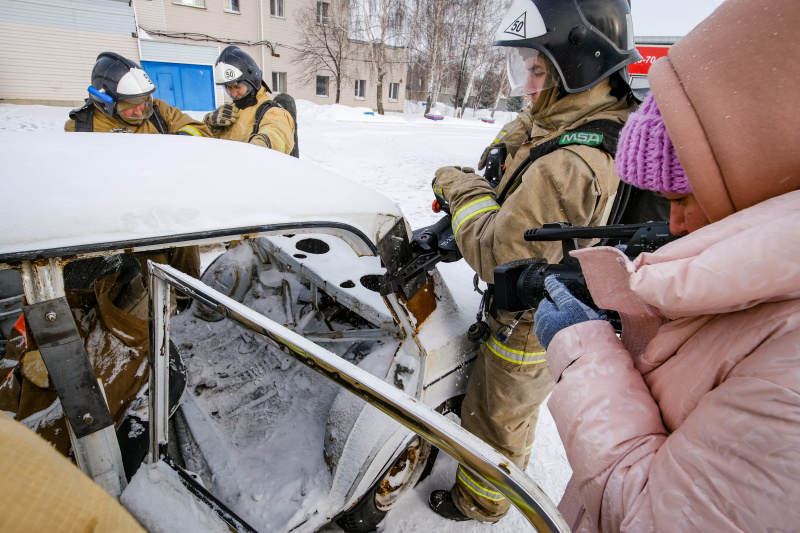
(442, 504)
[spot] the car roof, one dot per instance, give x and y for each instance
(76, 191)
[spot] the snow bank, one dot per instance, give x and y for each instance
(309, 111)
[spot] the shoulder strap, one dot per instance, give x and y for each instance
(262, 109)
(157, 120)
(83, 117)
(601, 134)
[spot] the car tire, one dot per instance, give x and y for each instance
(371, 509)
(406, 470)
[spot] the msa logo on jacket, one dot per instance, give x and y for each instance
(581, 137)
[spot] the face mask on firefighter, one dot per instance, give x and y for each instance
(529, 71)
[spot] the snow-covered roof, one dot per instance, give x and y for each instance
(76, 189)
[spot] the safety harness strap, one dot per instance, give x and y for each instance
(601, 134)
(83, 117)
(158, 121)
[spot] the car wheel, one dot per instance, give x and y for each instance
(413, 465)
(400, 477)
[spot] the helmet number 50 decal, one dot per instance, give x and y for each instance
(517, 28)
(522, 21)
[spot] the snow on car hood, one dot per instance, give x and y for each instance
(75, 189)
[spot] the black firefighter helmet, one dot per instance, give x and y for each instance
(586, 40)
(235, 65)
(119, 81)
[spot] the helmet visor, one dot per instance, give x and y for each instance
(529, 71)
(136, 109)
(237, 89)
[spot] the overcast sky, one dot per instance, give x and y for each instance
(669, 17)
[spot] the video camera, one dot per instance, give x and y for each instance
(519, 285)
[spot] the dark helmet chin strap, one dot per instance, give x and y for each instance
(247, 100)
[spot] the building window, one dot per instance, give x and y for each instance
(361, 89)
(322, 85)
(322, 13)
(279, 82)
(231, 6)
(276, 8)
(393, 90)
(193, 3)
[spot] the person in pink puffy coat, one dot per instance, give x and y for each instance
(691, 420)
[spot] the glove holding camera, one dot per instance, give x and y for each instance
(564, 311)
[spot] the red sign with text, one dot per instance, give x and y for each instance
(649, 54)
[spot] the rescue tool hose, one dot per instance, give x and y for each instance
(463, 446)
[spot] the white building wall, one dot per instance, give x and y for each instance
(48, 47)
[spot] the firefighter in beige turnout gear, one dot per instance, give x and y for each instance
(574, 183)
(121, 101)
(236, 121)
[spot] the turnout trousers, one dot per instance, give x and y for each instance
(508, 385)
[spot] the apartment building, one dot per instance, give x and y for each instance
(52, 44)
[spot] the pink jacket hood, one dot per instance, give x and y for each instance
(728, 95)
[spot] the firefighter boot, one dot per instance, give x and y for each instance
(442, 504)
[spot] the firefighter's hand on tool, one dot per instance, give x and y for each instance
(482, 160)
(445, 178)
(259, 139)
(564, 311)
(222, 117)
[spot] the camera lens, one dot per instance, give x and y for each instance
(530, 285)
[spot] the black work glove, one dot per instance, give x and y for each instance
(222, 117)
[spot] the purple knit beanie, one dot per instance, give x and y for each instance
(645, 156)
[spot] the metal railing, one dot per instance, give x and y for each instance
(449, 437)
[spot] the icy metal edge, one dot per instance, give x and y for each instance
(463, 446)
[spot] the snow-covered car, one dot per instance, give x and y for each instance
(256, 435)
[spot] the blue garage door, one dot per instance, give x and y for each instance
(187, 87)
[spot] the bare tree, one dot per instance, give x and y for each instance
(324, 42)
(431, 45)
(383, 25)
(487, 20)
(453, 50)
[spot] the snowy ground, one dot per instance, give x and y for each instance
(396, 154)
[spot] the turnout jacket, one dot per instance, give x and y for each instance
(277, 125)
(572, 184)
(691, 422)
(174, 118)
